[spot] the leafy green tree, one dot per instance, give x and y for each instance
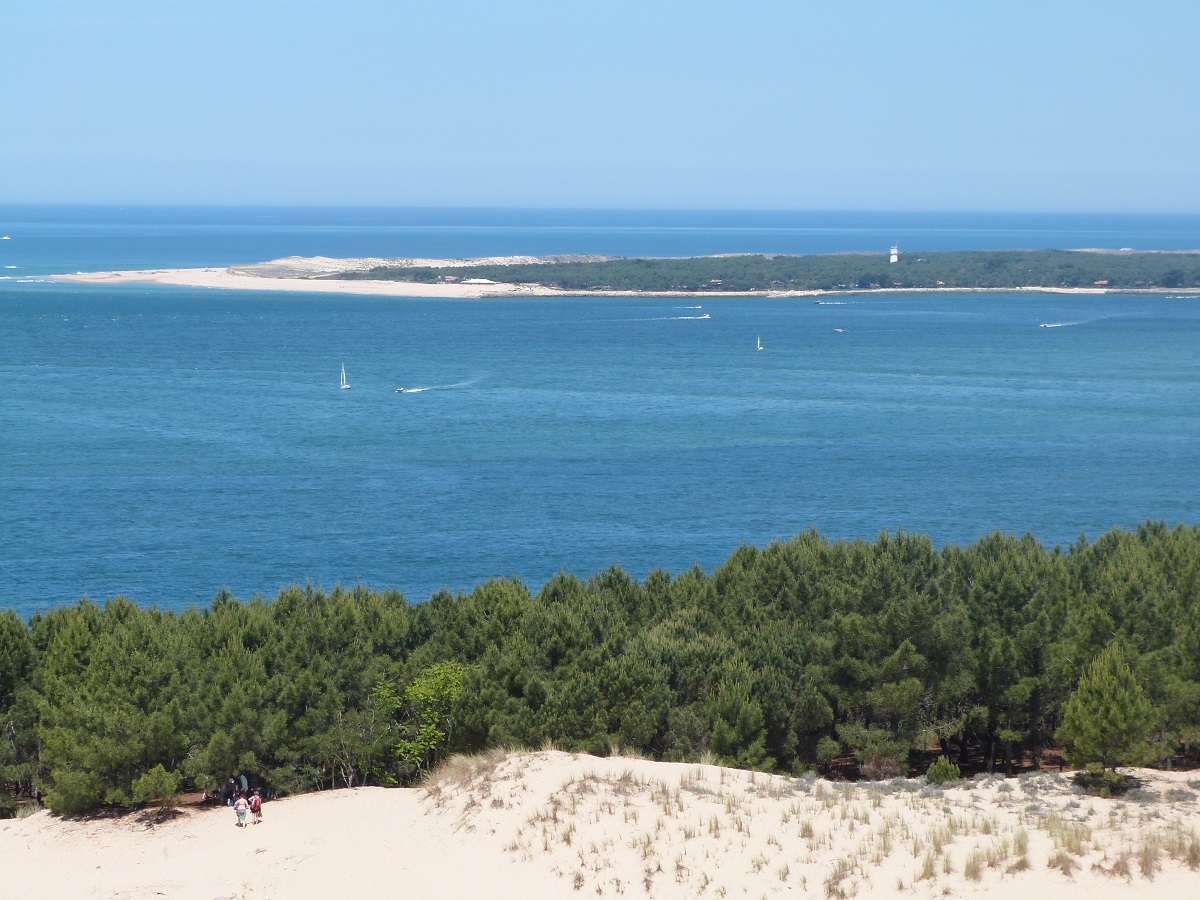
(425, 707)
(1108, 717)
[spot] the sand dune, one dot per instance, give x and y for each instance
(548, 825)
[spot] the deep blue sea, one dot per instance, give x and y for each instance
(163, 442)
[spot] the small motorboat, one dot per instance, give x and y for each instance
(399, 390)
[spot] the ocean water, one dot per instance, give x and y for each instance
(164, 442)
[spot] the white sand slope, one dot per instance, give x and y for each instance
(547, 825)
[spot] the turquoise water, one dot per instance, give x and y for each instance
(162, 442)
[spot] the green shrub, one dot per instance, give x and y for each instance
(827, 749)
(942, 771)
(1104, 782)
(74, 792)
(157, 784)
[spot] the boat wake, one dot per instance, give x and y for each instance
(434, 387)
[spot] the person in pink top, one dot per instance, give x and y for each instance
(240, 807)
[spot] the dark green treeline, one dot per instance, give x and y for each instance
(782, 658)
(996, 269)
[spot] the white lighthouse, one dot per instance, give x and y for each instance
(895, 257)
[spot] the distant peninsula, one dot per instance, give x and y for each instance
(1083, 271)
(969, 269)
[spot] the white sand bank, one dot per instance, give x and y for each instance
(229, 279)
(548, 825)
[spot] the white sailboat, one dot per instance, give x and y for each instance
(760, 346)
(345, 383)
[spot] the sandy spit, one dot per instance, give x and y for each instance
(545, 825)
(227, 279)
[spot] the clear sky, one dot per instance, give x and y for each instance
(1054, 105)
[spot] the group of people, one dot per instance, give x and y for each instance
(235, 795)
(252, 804)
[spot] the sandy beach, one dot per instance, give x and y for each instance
(316, 275)
(548, 825)
(230, 280)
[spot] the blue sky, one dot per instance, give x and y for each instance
(1057, 105)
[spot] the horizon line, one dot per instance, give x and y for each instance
(379, 207)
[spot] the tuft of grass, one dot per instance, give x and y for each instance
(1062, 861)
(462, 770)
(835, 886)
(1120, 867)
(1181, 844)
(682, 872)
(973, 870)
(1148, 856)
(997, 853)
(928, 868)
(1020, 865)
(1068, 835)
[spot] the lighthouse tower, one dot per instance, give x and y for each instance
(895, 257)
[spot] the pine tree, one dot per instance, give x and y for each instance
(1108, 717)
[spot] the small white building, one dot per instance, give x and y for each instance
(895, 257)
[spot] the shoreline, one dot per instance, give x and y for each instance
(311, 275)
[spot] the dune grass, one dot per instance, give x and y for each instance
(699, 830)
